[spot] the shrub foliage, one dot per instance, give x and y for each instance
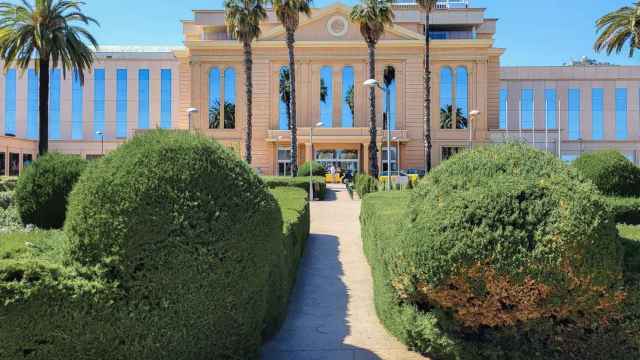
(611, 172)
(313, 167)
(319, 184)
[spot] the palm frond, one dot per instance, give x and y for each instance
(619, 29)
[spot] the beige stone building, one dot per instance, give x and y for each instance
(565, 110)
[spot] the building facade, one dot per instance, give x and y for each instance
(565, 110)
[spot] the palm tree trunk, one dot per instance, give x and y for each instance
(43, 143)
(373, 131)
(427, 95)
(294, 123)
(248, 87)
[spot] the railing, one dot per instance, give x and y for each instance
(451, 35)
(441, 4)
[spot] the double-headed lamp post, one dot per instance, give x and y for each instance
(318, 124)
(473, 116)
(373, 83)
(101, 134)
(190, 112)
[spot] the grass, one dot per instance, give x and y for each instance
(630, 235)
(37, 244)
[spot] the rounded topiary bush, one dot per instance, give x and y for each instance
(313, 167)
(611, 172)
(189, 232)
(43, 187)
(504, 235)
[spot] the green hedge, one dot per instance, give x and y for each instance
(8, 183)
(626, 210)
(314, 167)
(611, 172)
(43, 187)
(173, 250)
(319, 184)
(365, 184)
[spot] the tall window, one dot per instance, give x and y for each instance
(284, 161)
(143, 98)
(621, 114)
(391, 83)
(77, 96)
(230, 98)
(348, 104)
(446, 98)
(551, 108)
(165, 98)
(54, 105)
(121, 103)
(10, 103)
(597, 115)
(32, 104)
(326, 96)
(392, 161)
(574, 114)
(214, 99)
(462, 97)
(504, 96)
(526, 109)
(98, 102)
(284, 92)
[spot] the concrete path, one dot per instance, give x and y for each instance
(331, 314)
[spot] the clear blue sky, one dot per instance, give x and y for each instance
(534, 32)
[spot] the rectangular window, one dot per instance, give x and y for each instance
(98, 102)
(569, 158)
(14, 164)
(504, 96)
(54, 104)
(621, 114)
(10, 103)
(597, 106)
(551, 108)
(77, 99)
(143, 98)
(165, 98)
(3, 166)
(449, 151)
(27, 159)
(32, 104)
(574, 114)
(526, 109)
(284, 161)
(121, 103)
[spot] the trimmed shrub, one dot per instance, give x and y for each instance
(43, 187)
(319, 184)
(611, 172)
(6, 199)
(365, 184)
(8, 183)
(626, 210)
(312, 167)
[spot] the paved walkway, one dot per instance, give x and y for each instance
(331, 314)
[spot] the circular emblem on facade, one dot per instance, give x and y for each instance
(338, 26)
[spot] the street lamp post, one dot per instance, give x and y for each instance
(318, 124)
(101, 134)
(374, 83)
(190, 112)
(473, 115)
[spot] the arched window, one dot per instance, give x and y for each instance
(389, 78)
(284, 91)
(214, 98)
(462, 97)
(326, 96)
(348, 103)
(230, 98)
(446, 98)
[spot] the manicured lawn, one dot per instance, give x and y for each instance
(38, 244)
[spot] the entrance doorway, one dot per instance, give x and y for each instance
(347, 160)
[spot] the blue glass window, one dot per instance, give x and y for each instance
(121, 103)
(326, 96)
(98, 102)
(391, 83)
(77, 98)
(143, 98)
(348, 104)
(284, 95)
(462, 97)
(504, 96)
(597, 113)
(446, 98)
(165, 98)
(10, 103)
(54, 105)
(214, 99)
(526, 109)
(621, 114)
(574, 114)
(230, 98)
(32, 104)
(551, 108)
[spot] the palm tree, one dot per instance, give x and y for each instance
(243, 18)
(288, 13)
(372, 16)
(285, 93)
(618, 28)
(427, 6)
(52, 33)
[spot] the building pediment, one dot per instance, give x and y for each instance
(332, 24)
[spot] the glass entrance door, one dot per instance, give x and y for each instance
(347, 160)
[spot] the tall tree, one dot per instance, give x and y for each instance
(619, 28)
(288, 13)
(427, 6)
(243, 18)
(372, 16)
(54, 33)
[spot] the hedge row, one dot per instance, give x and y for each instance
(610, 171)
(626, 210)
(174, 249)
(319, 184)
(8, 183)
